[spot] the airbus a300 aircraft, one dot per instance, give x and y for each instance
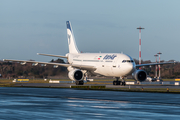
(80, 65)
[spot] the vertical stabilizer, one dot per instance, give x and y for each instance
(71, 40)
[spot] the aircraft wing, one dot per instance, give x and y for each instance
(150, 64)
(82, 67)
(52, 55)
(37, 62)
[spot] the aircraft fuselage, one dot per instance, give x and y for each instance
(107, 64)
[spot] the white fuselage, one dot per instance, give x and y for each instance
(107, 64)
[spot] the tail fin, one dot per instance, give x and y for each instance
(71, 40)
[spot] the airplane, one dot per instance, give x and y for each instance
(81, 65)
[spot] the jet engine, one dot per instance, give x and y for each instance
(139, 75)
(76, 75)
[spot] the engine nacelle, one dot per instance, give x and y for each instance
(76, 75)
(139, 75)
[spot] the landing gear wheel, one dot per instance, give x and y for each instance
(123, 83)
(79, 82)
(116, 82)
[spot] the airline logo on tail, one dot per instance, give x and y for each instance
(69, 32)
(68, 25)
(71, 40)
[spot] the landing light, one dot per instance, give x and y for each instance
(34, 64)
(23, 63)
(55, 66)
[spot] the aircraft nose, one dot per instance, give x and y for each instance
(129, 68)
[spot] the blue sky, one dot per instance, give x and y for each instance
(28, 27)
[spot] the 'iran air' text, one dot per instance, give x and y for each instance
(109, 57)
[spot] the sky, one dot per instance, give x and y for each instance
(28, 27)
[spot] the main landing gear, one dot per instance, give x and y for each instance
(80, 82)
(117, 82)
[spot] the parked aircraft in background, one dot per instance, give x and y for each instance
(80, 65)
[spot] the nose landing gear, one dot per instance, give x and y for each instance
(117, 82)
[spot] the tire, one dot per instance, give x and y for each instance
(81, 83)
(114, 83)
(77, 82)
(124, 83)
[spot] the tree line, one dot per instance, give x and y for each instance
(16, 70)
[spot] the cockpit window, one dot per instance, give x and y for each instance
(129, 61)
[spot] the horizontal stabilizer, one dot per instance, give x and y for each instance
(52, 55)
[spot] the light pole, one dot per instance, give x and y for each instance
(156, 66)
(159, 65)
(140, 45)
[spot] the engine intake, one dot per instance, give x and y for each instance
(76, 75)
(139, 75)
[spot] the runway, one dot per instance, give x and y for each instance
(58, 103)
(107, 86)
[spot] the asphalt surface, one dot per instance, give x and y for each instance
(107, 86)
(22, 103)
